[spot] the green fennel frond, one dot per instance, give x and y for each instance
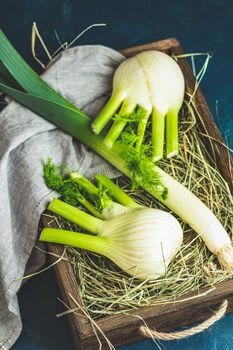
(71, 191)
(137, 115)
(129, 136)
(143, 170)
(68, 190)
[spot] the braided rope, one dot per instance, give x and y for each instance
(152, 333)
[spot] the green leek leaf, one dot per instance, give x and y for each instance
(25, 75)
(71, 120)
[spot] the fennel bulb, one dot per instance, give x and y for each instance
(153, 81)
(142, 242)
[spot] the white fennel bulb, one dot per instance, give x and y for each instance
(149, 83)
(142, 242)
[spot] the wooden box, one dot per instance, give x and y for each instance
(123, 329)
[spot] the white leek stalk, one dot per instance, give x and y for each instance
(153, 81)
(142, 242)
(191, 209)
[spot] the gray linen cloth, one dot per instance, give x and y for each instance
(84, 76)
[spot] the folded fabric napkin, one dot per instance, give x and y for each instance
(84, 76)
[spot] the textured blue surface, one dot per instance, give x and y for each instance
(200, 26)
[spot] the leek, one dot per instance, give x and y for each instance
(43, 100)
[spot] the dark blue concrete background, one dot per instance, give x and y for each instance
(201, 26)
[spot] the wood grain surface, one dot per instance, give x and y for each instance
(122, 329)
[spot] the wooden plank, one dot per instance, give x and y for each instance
(122, 329)
(167, 45)
(215, 145)
(125, 328)
(68, 285)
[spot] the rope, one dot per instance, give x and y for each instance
(152, 333)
